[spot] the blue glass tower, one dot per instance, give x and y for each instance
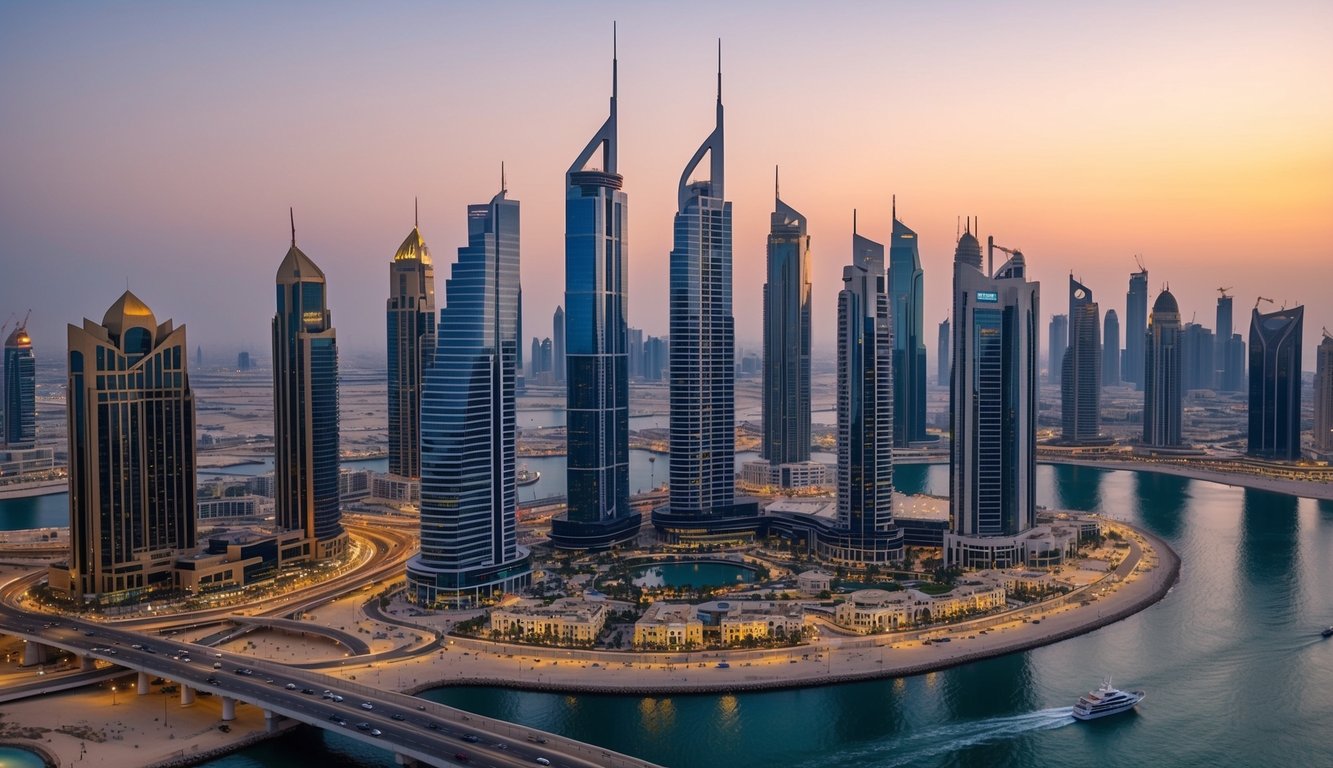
(469, 550)
(786, 388)
(410, 322)
(1081, 373)
(1161, 374)
(305, 407)
(1136, 326)
(20, 405)
(595, 346)
(1275, 383)
(906, 304)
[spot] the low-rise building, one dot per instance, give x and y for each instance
(669, 625)
(878, 610)
(567, 621)
(813, 582)
(737, 621)
(240, 558)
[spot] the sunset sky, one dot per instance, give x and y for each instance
(162, 143)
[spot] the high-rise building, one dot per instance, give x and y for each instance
(1323, 397)
(634, 341)
(1235, 378)
(993, 406)
(1222, 341)
(19, 416)
(131, 453)
(1162, 375)
(410, 312)
(656, 358)
(596, 351)
(1059, 342)
(535, 359)
(786, 362)
(943, 361)
(1111, 349)
(305, 407)
(469, 547)
(1136, 327)
(865, 413)
(1275, 383)
(1081, 369)
(906, 307)
(520, 385)
(1197, 346)
(243, 361)
(558, 345)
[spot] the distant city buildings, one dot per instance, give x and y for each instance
(1111, 349)
(993, 405)
(907, 309)
(469, 548)
(1197, 346)
(1234, 377)
(410, 315)
(1323, 397)
(19, 415)
(942, 358)
(305, 407)
(1136, 326)
(1275, 383)
(1162, 375)
(131, 442)
(1058, 342)
(1222, 340)
(558, 345)
(243, 362)
(1081, 369)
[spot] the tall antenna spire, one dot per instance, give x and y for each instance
(776, 195)
(416, 213)
(292, 213)
(615, 63)
(503, 188)
(853, 221)
(895, 207)
(719, 70)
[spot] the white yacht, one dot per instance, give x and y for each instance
(1106, 701)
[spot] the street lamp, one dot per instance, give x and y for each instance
(113, 695)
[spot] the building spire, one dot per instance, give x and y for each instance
(291, 212)
(503, 187)
(895, 207)
(853, 221)
(416, 213)
(776, 194)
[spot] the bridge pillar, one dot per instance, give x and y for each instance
(34, 653)
(187, 695)
(403, 759)
(228, 708)
(271, 720)
(87, 663)
(143, 683)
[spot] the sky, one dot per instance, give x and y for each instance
(160, 145)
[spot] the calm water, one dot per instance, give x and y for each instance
(11, 757)
(693, 575)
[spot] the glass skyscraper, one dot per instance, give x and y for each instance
(131, 441)
(1222, 343)
(1081, 369)
(558, 341)
(410, 315)
(1323, 397)
(20, 404)
(305, 407)
(1136, 326)
(596, 352)
(1275, 383)
(943, 361)
(786, 380)
(469, 548)
(1111, 349)
(906, 305)
(1161, 374)
(1058, 343)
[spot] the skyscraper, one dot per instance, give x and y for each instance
(1222, 342)
(596, 347)
(1323, 397)
(558, 345)
(942, 360)
(906, 306)
(305, 407)
(1059, 341)
(993, 405)
(469, 548)
(130, 411)
(1275, 383)
(865, 413)
(410, 312)
(1081, 369)
(1197, 370)
(1235, 378)
(20, 407)
(786, 364)
(1161, 374)
(1136, 326)
(1111, 349)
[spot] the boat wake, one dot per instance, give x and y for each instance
(947, 739)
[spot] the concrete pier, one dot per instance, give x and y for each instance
(228, 708)
(187, 695)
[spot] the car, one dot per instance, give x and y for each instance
(216, 664)
(376, 732)
(308, 691)
(137, 647)
(501, 745)
(335, 718)
(537, 739)
(363, 726)
(433, 726)
(89, 634)
(471, 738)
(543, 761)
(367, 705)
(421, 707)
(327, 694)
(396, 716)
(336, 697)
(212, 681)
(270, 681)
(290, 686)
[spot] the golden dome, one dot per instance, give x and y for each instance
(413, 248)
(127, 312)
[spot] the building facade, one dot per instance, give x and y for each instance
(19, 417)
(410, 314)
(558, 345)
(906, 308)
(1323, 397)
(943, 361)
(131, 440)
(1081, 369)
(1111, 349)
(1197, 369)
(1221, 357)
(1161, 375)
(305, 407)
(1275, 384)
(1136, 326)
(786, 363)
(469, 548)
(1058, 342)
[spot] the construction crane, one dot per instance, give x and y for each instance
(24, 324)
(1328, 335)
(991, 247)
(1139, 260)
(1262, 298)
(1223, 291)
(5, 326)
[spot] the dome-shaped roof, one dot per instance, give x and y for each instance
(19, 338)
(128, 312)
(1165, 303)
(968, 250)
(413, 248)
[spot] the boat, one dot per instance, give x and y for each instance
(1105, 701)
(1328, 632)
(524, 477)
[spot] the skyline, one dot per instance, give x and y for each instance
(1142, 141)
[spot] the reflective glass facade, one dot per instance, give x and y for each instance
(410, 321)
(1275, 384)
(1081, 374)
(1136, 325)
(1111, 349)
(907, 302)
(1161, 375)
(786, 379)
(19, 417)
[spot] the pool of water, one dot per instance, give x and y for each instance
(692, 574)
(13, 757)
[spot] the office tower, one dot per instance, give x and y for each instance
(865, 412)
(634, 341)
(906, 306)
(596, 356)
(1111, 349)
(1059, 341)
(786, 362)
(703, 423)
(130, 411)
(305, 408)
(1235, 379)
(535, 358)
(410, 314)
(1081, 369)
(1275, 383)
(1323, 397)
(943, 361)
(656, 358)
(1196, 358)
(199, 356)
(546, 350)
(1161, 374)
(469, 548)
(243, 361)
(1136, 327)
(1222, 341)
(520, 386)
(558, 345)
(993, 404)
(19, 418)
